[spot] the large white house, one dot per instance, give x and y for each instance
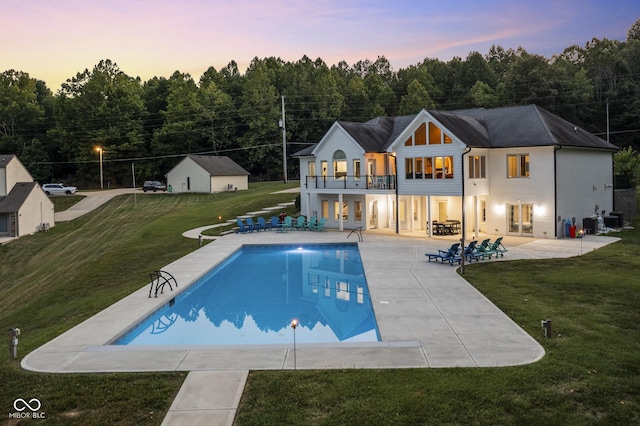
(24, 207)
(505, 171)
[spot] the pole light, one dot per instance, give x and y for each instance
(100, 149)
(219, 225)
(294, 324)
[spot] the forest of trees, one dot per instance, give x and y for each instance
(225, 112)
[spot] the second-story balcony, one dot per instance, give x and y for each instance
(369, 182)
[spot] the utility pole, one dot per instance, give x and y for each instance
(284, 144)
(607, 119)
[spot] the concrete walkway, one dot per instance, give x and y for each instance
(91, 201)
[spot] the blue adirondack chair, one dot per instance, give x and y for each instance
(300, 223)
(313, 221)
(263, 225)
(242, 228)
(287, 225)
(320, 225)
(252, 225)
(275, 222)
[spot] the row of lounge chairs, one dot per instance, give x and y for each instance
(474, 251)
(301, 224)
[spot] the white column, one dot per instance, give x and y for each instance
(429, 216)
(340, 218)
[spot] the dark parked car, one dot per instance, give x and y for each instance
(154, 185)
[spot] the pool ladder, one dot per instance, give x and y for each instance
(358, 232)
(159, 279)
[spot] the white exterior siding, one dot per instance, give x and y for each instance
(229, 183)
(537, 189)
(584, 182)
(13, 173)
(187, 176)
(36, 209)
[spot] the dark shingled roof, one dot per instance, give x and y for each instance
(16, 197)
(469, 130)
(530, 125)
(517, 126)
(4, 160)
(218, 166)
(372, 135)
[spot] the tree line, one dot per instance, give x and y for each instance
(154, 123)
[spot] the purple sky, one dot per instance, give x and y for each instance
(52, 40)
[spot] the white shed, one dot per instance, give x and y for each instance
(208, 174)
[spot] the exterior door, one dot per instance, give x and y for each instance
(442, 211)
(4, 223)
(373, 217)
(520, 218)
(371, 171)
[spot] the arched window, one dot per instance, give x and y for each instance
(339, 164)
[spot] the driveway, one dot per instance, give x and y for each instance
(92, 200)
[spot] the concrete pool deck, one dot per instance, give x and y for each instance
(428, 317)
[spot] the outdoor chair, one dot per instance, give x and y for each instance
(262, 225)
(252, 225)
(482, 247)
(495, 248)
(311, 223)
(451, 255)
(300, 223)
(287, 225)
(470, 252)
(320, 225)
(242, 228)
(275, 222)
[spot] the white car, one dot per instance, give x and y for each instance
(58, 189)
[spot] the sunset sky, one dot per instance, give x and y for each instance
(52, 40)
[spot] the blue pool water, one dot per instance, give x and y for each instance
(253, 296)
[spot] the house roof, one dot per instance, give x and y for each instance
(16, 197)
(5, 159)
(517, 126)
(218, 165)
(530, 125)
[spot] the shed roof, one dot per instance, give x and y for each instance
(218, 165)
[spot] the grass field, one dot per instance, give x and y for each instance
(52, 281)
(589, 375)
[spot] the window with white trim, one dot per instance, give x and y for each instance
(517, 165)
(477, 167)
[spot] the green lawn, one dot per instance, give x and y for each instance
(63, 202)
(590, 374)
(52, 281)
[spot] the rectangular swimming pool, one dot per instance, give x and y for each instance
(255, 294)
